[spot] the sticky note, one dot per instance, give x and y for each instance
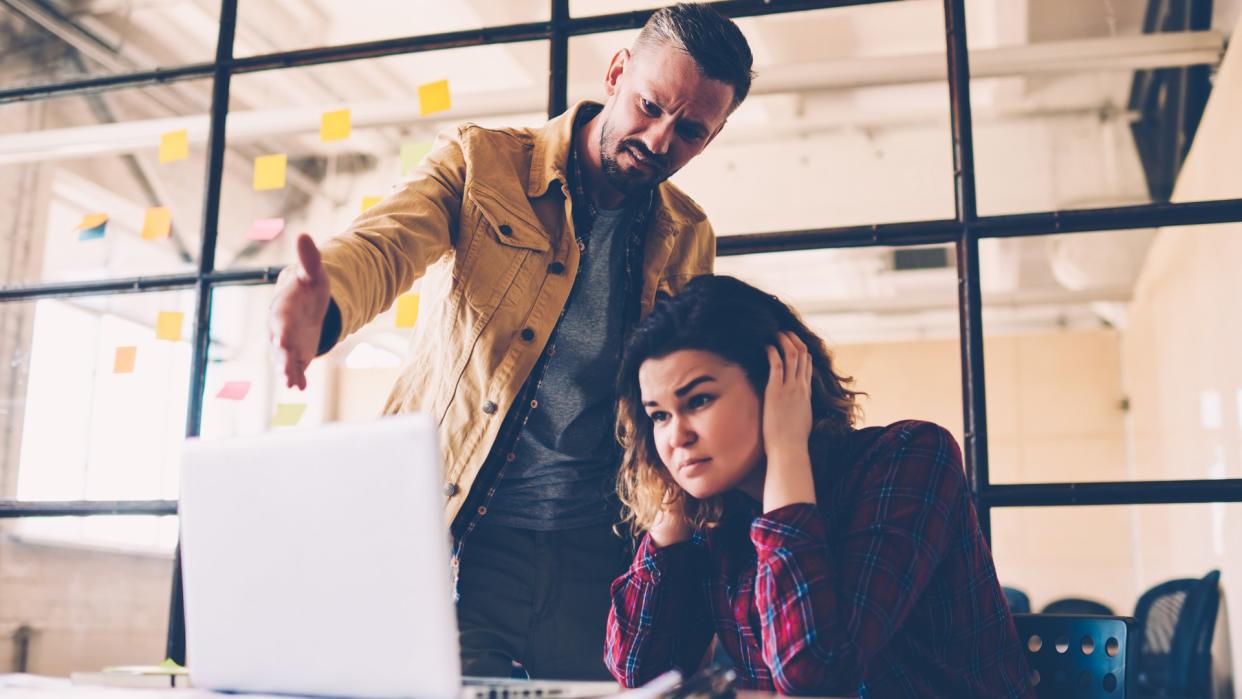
(168, 325)
(368, 202)
(92, 233)
(433, 97)
(334, 126)
(157, 224)
(174, 145)
(407, 310)
(288, 414)
(234, 390)
(123, 363)
(411, 155)
(265, 229)
(269, 171)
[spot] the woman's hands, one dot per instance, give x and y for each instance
(671, 526)
(787, 425)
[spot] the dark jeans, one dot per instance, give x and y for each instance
(538, 598)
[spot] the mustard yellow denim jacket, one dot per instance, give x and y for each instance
(486, 220)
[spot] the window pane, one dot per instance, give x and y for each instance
(1080, 105)
(85, 192)
(842, 127)
(326, 183)
(246, 389)
(1112, 356)
(101, 601)
(335, 23)
(95, 401)
(46, 44)
(1114, 554)
(893, 328)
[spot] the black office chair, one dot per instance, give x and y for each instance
(1077, 605)
(1177, 623)
(1078, 656)
(1019, 603)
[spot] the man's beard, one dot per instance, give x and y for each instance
(633, 180)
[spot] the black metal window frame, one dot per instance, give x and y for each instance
(964, 231)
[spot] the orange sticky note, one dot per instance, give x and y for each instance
(334, 126)
(234, 390)
(433, 97)
(368, 202)
(269, 171)
(174, 145)
(288, 414)
(92, 221)
(157, 224)
(168, 325)
(123, 363)
(407, 310)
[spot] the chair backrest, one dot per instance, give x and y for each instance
(1076, 655)
(1019, 603)
(1177, 621)
(1077, 605)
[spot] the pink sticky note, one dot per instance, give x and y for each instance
(234, 390)
(266, 228)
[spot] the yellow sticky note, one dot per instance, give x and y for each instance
(168, 325)
(157, 224)
(288, 414)
(368, 202)
(269, 171)
(433, 97)
(174, 145)
(90, 221)
(407, 310)
(123, 363)
(334, 126)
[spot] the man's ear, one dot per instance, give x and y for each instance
(615, 68)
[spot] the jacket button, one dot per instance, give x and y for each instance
(489, 407)
(450, 489)
(505, 229)
(556, 268)
(528, 334)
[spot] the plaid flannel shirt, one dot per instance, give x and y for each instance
(885, 588)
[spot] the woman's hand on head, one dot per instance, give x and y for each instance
(787, 398)
(787, 425)
(671, 525)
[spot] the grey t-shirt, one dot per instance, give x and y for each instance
(564, 460)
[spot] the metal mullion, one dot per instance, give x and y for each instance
(127, 285)
(558, 60)
(970, 302)
(146, 78)
(1113, 493)
(1154, 215)
(730, 8)
(83, 508)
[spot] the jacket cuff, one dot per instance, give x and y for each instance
(788, 525)
(331, 331)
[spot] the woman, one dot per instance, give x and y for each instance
(827, 560)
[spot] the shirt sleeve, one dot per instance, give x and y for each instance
(826, 612)
(393, 242)
(659, 617)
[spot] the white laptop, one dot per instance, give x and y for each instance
(316, 562)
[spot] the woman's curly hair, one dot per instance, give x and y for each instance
(737, 322)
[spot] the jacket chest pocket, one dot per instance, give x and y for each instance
(501, 244)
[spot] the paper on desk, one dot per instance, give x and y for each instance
(39, 687)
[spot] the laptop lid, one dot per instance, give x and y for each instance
(316, 561)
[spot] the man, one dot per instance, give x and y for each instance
(541, 247)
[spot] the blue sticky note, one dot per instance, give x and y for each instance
(92, 233)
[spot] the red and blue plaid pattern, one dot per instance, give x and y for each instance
(885, 588)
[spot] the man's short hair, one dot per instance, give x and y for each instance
(711, 39)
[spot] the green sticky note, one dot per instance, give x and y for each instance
(288, 414)
(411, 155)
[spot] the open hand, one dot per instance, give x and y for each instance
(295, 318)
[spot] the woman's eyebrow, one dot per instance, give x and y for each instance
(683, 390)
